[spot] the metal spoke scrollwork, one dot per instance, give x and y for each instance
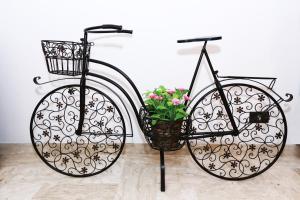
(53, 126)
(257, 145)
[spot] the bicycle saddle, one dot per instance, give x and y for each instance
(202, 39)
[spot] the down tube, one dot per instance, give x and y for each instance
(122, 90)
(124, 75)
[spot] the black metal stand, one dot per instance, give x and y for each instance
(162, 171)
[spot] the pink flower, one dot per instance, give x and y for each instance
(170, 91)
(158, 98)
(181, 89)
(186, 97)
(175, 101)
(152, 96)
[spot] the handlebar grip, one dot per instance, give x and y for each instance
(126, 31)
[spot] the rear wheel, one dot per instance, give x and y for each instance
(261, 140)
(53, 125)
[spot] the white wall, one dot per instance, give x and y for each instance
(259, 38)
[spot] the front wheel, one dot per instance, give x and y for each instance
(54, 122)
(261, 139)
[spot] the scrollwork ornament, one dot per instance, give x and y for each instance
(55, 120)
(254, 149)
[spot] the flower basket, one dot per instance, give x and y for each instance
(163, 117)
(164, 135)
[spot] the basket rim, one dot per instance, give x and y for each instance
(63, 41)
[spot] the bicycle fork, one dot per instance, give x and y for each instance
(82, 105)
(83, 85)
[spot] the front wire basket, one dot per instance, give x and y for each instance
(166, 141)
(64, 57)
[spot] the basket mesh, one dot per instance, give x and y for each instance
(165, 139)
(64, 57)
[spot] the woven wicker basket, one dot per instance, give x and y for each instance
(165, 135)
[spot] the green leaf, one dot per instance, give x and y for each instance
(162, 88)
(169, 103)
(154, 122)
(161, 107)
(179, 116)
(177, 96)
(181, 111)
(155, 116)
(148, 101)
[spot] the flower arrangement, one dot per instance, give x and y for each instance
(166, 104)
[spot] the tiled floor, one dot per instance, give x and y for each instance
(136, 175)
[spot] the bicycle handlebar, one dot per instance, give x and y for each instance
(104, 26)
(118, 29)
(114, 31)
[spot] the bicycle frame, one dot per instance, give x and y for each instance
(137, 93)
(203, 53)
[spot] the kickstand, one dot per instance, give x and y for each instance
(162, 171)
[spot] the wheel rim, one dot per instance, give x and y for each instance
(250, 153)
(53, 125)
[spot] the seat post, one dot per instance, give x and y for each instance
(222, 95)
(196, 70)
(214, 73)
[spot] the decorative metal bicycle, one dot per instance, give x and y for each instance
(235, 131)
